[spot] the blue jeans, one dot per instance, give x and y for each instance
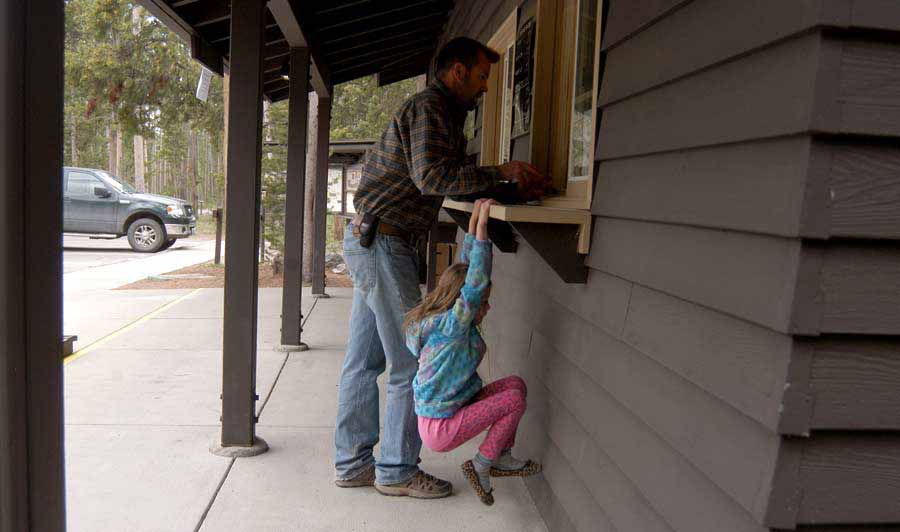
(385, 286)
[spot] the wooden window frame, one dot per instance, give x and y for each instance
(496, 98)
(553, 89)
(577, 192)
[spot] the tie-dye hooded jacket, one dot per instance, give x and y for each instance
(448, 345)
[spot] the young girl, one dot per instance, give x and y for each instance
(452, 405)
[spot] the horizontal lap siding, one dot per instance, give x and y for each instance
(856, 383)
(673, 398)
(747, 188)
(807, 188)
(659, 391)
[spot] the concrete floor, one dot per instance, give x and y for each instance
(143, 406)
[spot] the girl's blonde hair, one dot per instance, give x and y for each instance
(441, 298)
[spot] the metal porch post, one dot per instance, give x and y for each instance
(298, 113)
(32, 493)
(323, 137)
(343, 189)
(242, 232)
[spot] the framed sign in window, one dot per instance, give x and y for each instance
(523, 78)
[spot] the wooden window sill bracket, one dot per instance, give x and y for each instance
(560, 235)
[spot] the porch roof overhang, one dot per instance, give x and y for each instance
(348, 39)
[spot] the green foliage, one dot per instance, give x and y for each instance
(127, 73)
(361, 109)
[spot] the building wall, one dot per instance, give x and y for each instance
(732, 362)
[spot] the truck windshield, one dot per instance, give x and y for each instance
(117, 183)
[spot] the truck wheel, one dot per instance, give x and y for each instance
(169, 243)
(145, 235)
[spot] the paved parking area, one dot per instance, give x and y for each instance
(92, 268)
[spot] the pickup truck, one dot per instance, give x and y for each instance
(97, 203)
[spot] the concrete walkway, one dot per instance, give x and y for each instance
(142, 406)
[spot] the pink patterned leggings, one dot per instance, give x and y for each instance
(499, 405)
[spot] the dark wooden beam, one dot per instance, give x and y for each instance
(420, 59)
(323, 135)
(298, 115)
(500, 232)
(387, 77)
(222, 32)
(334, 60)
(277, 86)
(276, 50)
(274, 64)
(288, 22)
(273, 77)
(217, 32)
(557, 244)
(242, 225)
(205, 52)
(278, 95)
(385, 60)
(32, 487)
(336, 50)
(372, 12)
(388, 26)
(199, 14)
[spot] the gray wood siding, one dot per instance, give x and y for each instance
(807, 188)
(841, 478)
(763, 94)
(746, 194)
(706, 32)
(587, 408)
(855, 383)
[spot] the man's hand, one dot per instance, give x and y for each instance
(531, 183)
(483, 211)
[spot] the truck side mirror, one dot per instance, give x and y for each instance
(102, 192)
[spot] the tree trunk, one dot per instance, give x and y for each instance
(207, 178)
(113, 134)
(310, 189)
(119, 152)
(192, 168)
(73, 145)
(139, 167)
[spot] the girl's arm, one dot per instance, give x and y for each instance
(478, 277)
(470, 236)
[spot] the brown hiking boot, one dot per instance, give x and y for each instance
(366, 477)
(420, 486)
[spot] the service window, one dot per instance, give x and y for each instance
(541, 107)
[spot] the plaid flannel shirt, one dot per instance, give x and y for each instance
(420, 158)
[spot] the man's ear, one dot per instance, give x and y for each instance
(459, 72)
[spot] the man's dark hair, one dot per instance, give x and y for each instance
(462, 50)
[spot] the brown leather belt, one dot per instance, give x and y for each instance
(387, 229)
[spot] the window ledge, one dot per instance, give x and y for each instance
(537, 214)
(561, 236)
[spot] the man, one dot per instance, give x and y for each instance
(419, 160)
